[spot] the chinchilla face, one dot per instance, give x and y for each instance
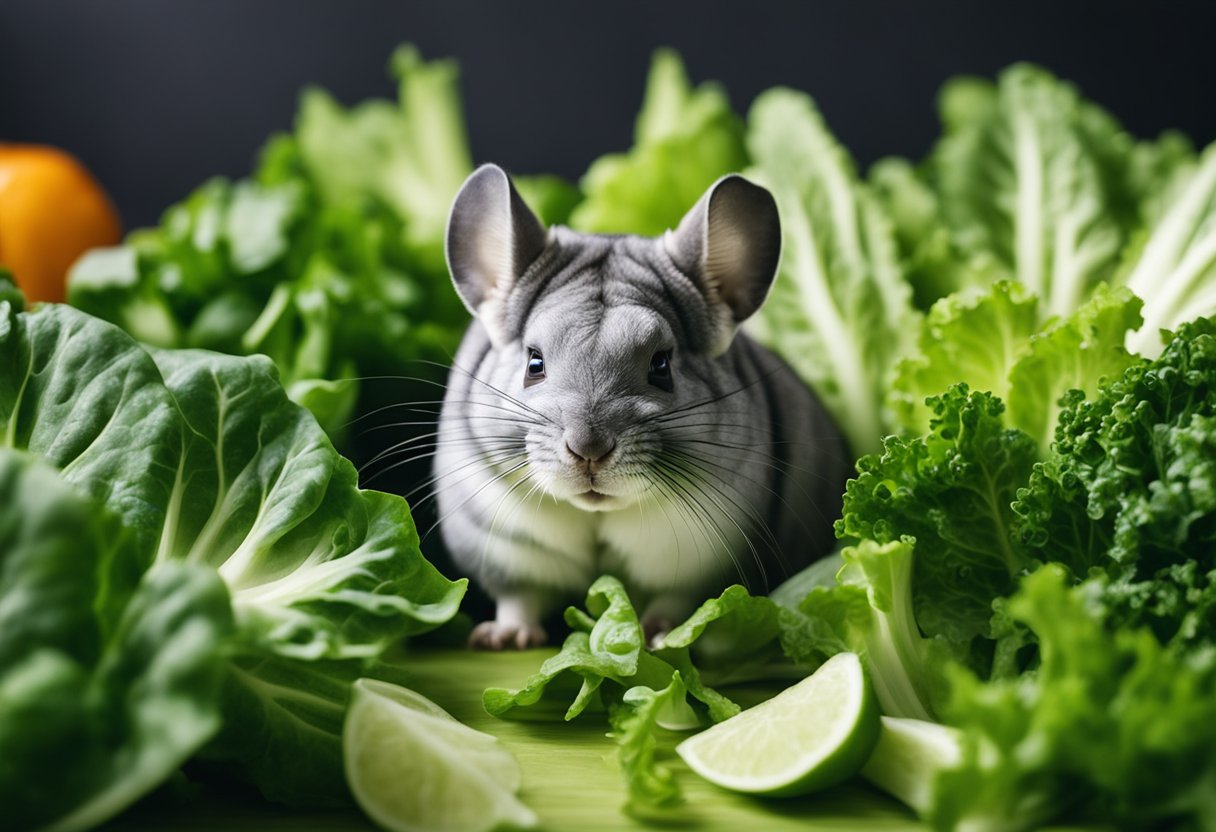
(606, 372)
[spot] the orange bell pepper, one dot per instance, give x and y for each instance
(51, 211)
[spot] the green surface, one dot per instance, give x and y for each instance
(549, 753)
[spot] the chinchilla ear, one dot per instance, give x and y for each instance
(729, 244)
(492, 238)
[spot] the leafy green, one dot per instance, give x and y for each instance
(968, 337)
(329, 260)
(871, 611)
(1057, 613)
(840, 309)
(992, 342)
(1132, 489)
(1021, 173)
(603, 665)
(951, 491)
(208, 463)
(1112, 724)
(684, 140)
(1174, 267)
(635, 723)
(108, 682)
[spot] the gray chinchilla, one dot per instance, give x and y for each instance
(603, 414)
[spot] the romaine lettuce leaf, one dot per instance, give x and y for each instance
(1174, 266)
(840, 309)
(1020, 169)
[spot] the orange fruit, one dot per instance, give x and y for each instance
(51, 211)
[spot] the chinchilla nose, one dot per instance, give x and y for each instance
(590, 445)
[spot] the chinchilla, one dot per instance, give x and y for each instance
(604, 413)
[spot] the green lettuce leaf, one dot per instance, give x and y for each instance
(969, 337)
(1077, 353)
(1111, 725)
(952, 491)
(207, 462)
(684, 140)
(992, 341)
(329, 260)
(109, 681)
(1131, 488)
(871, 611)
(1174, 267)
(840, 309)
(634, 724)
(1021, 171)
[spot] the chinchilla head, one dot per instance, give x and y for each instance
(605, 349)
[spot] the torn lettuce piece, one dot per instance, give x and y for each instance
(685, 138)
(634, 723)
(110, 679)
(610, 649)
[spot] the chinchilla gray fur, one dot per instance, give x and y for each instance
(605, 415)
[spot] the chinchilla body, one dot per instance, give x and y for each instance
(604, 415)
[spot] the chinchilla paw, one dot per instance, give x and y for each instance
(500, 635)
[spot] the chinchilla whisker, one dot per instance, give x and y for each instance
(417, 407)
(420, 452)
(487, 459)
(500, 457)
(485, 549)
(689, 500)
(426, 422)
(492, 388)
(709, 488)
(432, 440)
(693, 466)
(474, 495)
(710, 481)
(645, 494)
(770, 459)
(715, 399)
(812, 440)
(733, 472)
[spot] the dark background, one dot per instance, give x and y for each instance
(157, 95)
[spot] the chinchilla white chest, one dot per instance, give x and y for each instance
(603, 414)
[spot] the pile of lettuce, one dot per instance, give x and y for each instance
(187, 570)
(328, 259)
(1029, 562)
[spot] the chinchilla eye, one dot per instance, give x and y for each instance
(659, 373)
(536, 368)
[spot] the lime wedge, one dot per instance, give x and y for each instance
(414, 768)
(806, 738)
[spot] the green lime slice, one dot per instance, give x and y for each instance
(806, 738)
(414, 768)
